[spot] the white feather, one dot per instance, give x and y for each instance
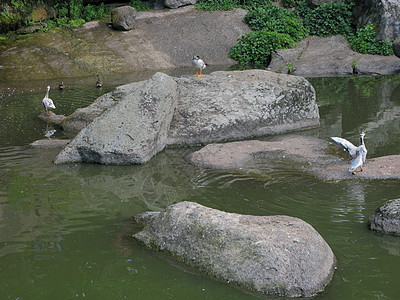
(47, 102)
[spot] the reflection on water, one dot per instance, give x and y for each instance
(65, 230)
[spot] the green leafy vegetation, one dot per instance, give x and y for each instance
(364, 42)
(139, 5)
(327, 19)
(69, 14)
(276, 19)
(292, 3)
(256, 48)
(213, 5)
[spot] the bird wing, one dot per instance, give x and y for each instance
(199, 63)
(358, 161)
(48, 103)
(346, 145)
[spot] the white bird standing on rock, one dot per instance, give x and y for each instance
(47, 102)
(198, 64)
(358, 154)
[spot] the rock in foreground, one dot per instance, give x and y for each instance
(386, 219)
(277, 255)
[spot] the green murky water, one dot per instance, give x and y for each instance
(65, 230)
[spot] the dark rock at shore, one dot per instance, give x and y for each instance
(123, 17)
(277, 255)
(396, 47)
(337, 59)
(386, 219)
(178, 3)
(384, 14)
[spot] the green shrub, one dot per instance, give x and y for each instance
(93, 12)
(302, 9)
(75, 9)
(276, 19)
(292, 3)
(213, 5)
(333, 18)
(139, 5)
(364, 41)
(257, 47)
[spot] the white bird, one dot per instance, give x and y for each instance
(358, 154)
(47, 102)
(198, 64)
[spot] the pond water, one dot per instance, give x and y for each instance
(65, 229)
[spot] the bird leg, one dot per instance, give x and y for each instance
(197, 72)
(47, 112)
(361, 169)
(354, 172)
(200, 72)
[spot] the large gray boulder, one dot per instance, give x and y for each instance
(178, 3)
(123, 17)
(386, 219)
(131, 131)
(82, 117)
(216, 107)
(277, 255)
(242, 104)
(384, 14)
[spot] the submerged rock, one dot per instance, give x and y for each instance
(386, 219)
(305, 153)
(277, 255)
(49, 143)
(52, 118)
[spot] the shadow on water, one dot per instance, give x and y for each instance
(65, 230)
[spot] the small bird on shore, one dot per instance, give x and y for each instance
(47, 102)
(358, 154)
(99, 83)
(198, 64)
(61, 86)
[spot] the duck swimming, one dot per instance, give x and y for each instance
(47, 102)
(99, 83)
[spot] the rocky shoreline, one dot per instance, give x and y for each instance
(95, 48)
